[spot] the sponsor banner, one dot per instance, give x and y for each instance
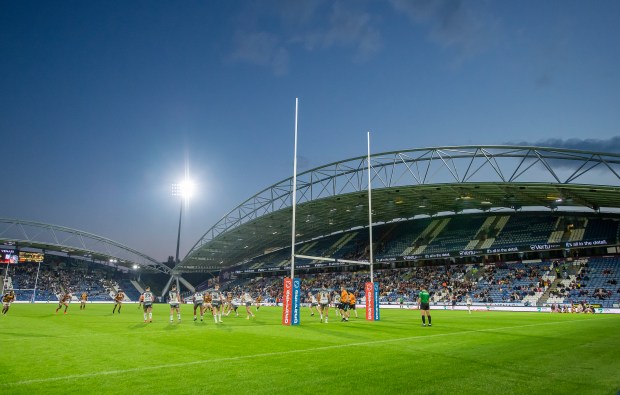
(287, 301)
(370, 301)
(295, 319)
(376, 294)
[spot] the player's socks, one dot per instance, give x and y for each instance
(170, 317)
(215, 318)
(424, 320)
(151, 316)
(179, 316)
(429, 320)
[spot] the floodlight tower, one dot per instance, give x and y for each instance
(183, 190)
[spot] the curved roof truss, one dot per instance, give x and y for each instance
(74, 243)
(498, 170)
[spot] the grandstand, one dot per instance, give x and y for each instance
(489, 221)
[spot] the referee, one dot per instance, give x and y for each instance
(424, 306)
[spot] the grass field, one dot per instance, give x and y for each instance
(93, 351)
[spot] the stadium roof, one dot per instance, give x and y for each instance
(75, 243)
(406, 184)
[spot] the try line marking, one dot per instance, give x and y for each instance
(269, 354)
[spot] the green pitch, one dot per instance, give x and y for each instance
(93, 351)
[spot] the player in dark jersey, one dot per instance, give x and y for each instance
(83, 300)
(64, 301)
(344, 304)
(174, 299)
(230, 305)
(7, 299)
(259, 300)
(118, 301)
(424, 306)
(352, 301)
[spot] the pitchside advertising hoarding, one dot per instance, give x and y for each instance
(291, 301)
(372, 301)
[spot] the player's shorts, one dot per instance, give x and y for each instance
(197, 304)
(248, 304)
(6, 304)
(324, 305)
(147, 305)
(454, 303)
(425, 306)
(216, 303)
(174, 305)
(352, 306)
(344, 306)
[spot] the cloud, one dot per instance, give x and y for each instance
(346, 27)
(466, 28)
(261, 48)
(273, 30)
(611, 145)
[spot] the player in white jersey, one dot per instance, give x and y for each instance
(314, 304)
(146, 299)
(336, 302)
(324, 300)
(468, 302)
(246, 299)
(198, 299)
(216, 302)
(174, 299)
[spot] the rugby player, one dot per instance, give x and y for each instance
(344, 304)
(216, 303)
(64, 300)
(174, 299)
(198, 300)
(147, 299)
(468, 302)
(118, 301)
(230, 305)
(247, 300)
(324, 300)
(7, 299)
(336, 302)
(259, 300)
(206, 304)
(352, 304)
(83, 300)
(424, 306)
(313, 304)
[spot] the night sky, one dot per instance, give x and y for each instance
(105, 104)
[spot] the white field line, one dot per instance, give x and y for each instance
(270, 354)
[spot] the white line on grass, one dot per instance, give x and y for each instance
(269, 354)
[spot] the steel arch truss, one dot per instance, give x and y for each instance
(503, 166)
(74, 243)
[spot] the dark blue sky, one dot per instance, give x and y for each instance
(103, 103)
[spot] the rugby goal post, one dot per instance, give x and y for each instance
(291, 295)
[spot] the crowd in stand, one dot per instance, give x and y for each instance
(499, 283)
(495, 283)
(54, 278)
